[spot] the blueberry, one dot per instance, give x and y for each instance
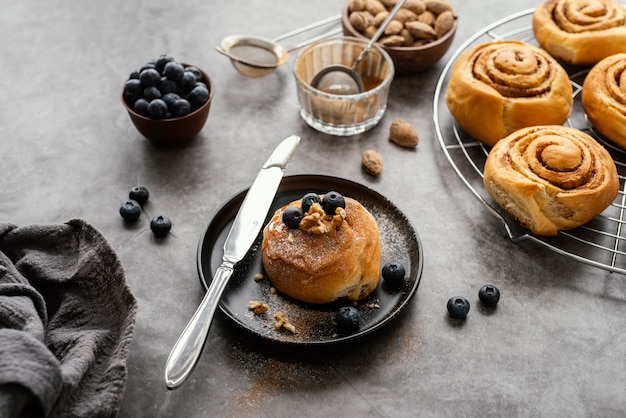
(161, 61)
(140, 194)
(292, 217)
(393, 273)
(130, 210)
(187, 82)
(458, 307)
(173, 71)
(170, 98)
(348, 319)
(157, 109)
(308, 200)
(198, 96)
(196, 72)
(132, 91)
(180, 107)
(141, 107)
(167, 86)
(161, 226)
(332, 201)
(151, 92)
(489, 295)
(149, 77)
(147, 66)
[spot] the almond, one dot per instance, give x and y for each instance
(374, 7)
(393, 28)
(438, 6)
(427, 17)
(380, 18)
(421, 30)
(416, 6)
(389, 3)
(356, 5)
(408, 38)
(372, 161)
(444, 23)
(361, 20)
(402, 133)
(392, 40)
(405, 15)
(370, 31)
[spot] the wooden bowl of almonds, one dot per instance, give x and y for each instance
(419, 35)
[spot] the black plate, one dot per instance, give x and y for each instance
(314, 324)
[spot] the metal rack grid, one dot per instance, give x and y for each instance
(601, 242)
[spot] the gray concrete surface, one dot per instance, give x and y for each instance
(554, 347)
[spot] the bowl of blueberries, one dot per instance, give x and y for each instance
(168, 101)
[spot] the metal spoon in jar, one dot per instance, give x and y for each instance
(344, 80)
(255, 56)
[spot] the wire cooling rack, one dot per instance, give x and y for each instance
(601, 242)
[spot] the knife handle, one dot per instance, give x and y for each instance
(187, 350)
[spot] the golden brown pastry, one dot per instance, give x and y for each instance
(325, 257)
(581, 32)
(604, 98)
(499, 87)
(551, 178)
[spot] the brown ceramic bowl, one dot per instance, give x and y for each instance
(407, 59)
(173, 131)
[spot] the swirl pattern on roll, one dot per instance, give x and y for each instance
(576, 16)
(498, 87)
(551, 178)
(581, 32)
(562, 159)
(515, 69)
(604, 98)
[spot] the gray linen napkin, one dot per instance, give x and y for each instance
(66, 322)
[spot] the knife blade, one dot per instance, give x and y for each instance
(243, 232)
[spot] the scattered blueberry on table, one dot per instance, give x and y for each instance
(458, 307)
(489, 295)
(161, 226)
(130, 210)
(140, 194)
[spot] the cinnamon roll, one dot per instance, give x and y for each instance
(581, 32)
(604, 98)
(324, 257)
(499, 87)
(551, 178)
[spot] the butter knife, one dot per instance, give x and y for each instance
(244, 231)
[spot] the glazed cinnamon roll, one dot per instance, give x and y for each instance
(604, 98)
(581, 32)
(499, 87)
(551, 178)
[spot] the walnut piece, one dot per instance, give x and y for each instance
(282, 322)
(318, 222)
(257, 307)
